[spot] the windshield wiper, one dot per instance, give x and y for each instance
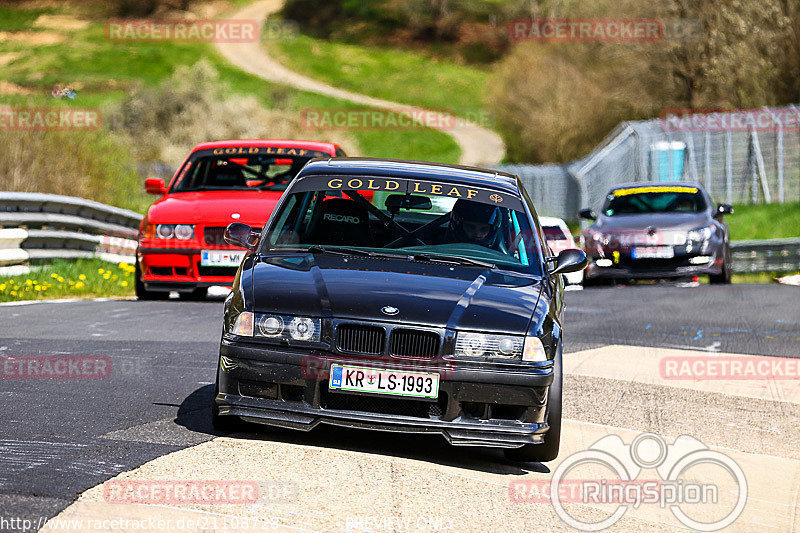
(342, 250)
(453, 259)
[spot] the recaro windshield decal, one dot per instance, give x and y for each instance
(408, 186)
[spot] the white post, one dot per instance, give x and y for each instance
(729, 165)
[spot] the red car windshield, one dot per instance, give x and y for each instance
(242, 171)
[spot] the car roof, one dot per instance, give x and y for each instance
(639, 184)
(552, 221)
(397, 168)
(277, 143)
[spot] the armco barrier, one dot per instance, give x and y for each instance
(774, 255)
(35, 227)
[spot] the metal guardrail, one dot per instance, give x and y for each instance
(774, 255)
(36, 226)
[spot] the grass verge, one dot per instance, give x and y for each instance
(392, 74)
(764, 221)
(82, 278)
(103, 72)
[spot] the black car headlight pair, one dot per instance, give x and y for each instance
(500, 347)
(277, 327)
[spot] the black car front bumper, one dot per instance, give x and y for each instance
(478, 404)
(680, 266)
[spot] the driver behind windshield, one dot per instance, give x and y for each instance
(474, 223)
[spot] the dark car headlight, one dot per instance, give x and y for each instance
(469, 344)
(701, 234)
(277, 327)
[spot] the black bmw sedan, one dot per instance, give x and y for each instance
(658, 230)
(398, 296)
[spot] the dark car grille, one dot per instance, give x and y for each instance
(384, 406)
(414, 343)
(361, 339)
(654, 265)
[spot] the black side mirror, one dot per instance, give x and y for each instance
(241, 235)
(570, 261)
(587, 214)
(725, 209)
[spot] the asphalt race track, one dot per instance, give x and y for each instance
(61, 437)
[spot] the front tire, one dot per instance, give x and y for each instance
(547, 450)
(141, 292)
(726, 275)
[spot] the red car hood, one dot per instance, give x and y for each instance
(214, 208)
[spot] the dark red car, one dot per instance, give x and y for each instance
(181, 246)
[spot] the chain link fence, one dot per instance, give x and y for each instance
(745, 157)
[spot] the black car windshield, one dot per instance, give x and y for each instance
(444, 226)
(644, 200)
(240, 170)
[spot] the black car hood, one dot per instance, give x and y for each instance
(430, 294)
(661, 221)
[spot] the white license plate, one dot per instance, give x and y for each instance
(359, 379)
(653, 252)
(222, 258)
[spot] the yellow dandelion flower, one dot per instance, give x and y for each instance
(54, 275)
(123, 265)
(28, 282)
(60, 279)
(13, 293)
(124, 283)
(82, 277)
(2, 287)
(114, 277)
(100, 270)
(79, 285)
(107, 275)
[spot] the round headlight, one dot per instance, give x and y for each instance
(474, 345)
(165, 231)
(184, 231)
(271, 326)
(506, 347)
(301, 329)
